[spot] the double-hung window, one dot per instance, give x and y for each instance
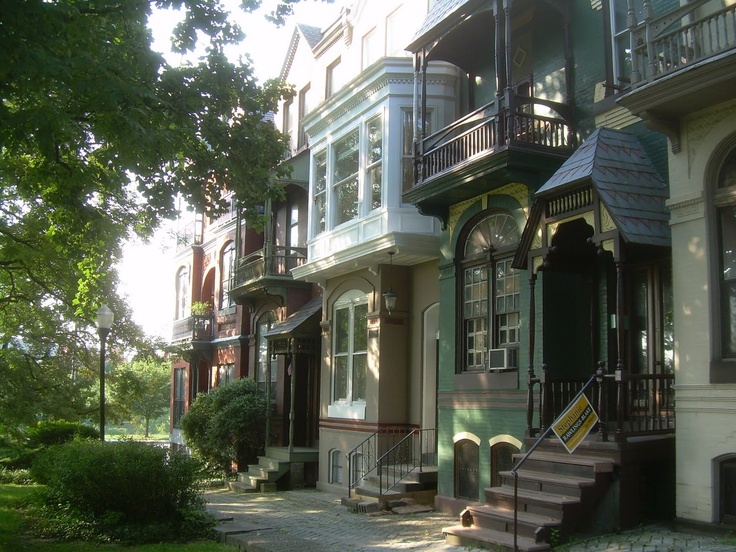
(622, 53)
(227, 264)
(490, 295)
(345, 177)
(349, 351)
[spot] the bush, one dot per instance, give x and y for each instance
(124, 491)
(227, 424)
(58, 432)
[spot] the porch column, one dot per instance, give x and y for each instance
(292, 409)
(500, 69)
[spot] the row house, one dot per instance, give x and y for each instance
(579, 256)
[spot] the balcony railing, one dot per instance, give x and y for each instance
(198, 327)
(271, 261)
(679, 39)
(488, 129)
(628, 405)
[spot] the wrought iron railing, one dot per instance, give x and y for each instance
(627, 404)
(198, 327)
(413, 452)
(272, 260)
(363, 459)
(679, 39)
(488, 128)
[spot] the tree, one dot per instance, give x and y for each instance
(99, 136)
(227, 424)
(140, 391)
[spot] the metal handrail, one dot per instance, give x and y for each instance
(411, 453)
(367, 452)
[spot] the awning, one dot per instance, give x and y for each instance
(300, 332)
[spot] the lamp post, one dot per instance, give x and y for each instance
(103, 321)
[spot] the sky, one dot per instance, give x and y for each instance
(146, 272)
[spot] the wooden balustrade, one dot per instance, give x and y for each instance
(627, 404)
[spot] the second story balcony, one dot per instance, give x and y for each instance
(489, 147)
(194, 329)
(271, 266)
(682, 61)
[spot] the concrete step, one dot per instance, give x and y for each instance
(531, 480)
(566, 464)
(552, 505)
(529, 525)
(488, 538)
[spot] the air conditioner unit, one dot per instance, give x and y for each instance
(501, 359)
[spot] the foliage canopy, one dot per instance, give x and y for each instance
(99, 139)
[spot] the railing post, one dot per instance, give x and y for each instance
(602, 412)
(545, 396)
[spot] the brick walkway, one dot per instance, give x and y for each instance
(315, 521)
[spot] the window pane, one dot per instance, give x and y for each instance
(374, 181)
(347, 201)
(346, 156)
(340, 392)
(728, 280)
(342, 330)
(360, 338)
(360, 362)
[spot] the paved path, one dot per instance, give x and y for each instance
(315, 521)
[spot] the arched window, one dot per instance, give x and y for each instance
(227, 263)
(724, 197)
(489, 291)
(182, 293)
(335, 467)
(350, 348)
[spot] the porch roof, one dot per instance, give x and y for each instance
(295, 321)
(443, 15)
(614, 163)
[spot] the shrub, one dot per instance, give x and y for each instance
(126, 491)
(227, 424)
(49, 433)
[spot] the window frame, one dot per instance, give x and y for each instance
(482, 291)
(182, 293)
(264, 323)
(354, 304)
(227, 269)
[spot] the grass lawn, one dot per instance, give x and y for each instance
(13, 537)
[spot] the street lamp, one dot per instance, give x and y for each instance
(103, 321)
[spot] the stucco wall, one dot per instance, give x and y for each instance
(705, 412)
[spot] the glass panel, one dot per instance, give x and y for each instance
(360, 363)
(320, 192)
(374, 181)
(342, 330)
(639, 323)
(340, 390)
(727, 236)
(493, 232)
(727, 178)
(346, 156)
(347, 201)
(375, 140)
(360, 337)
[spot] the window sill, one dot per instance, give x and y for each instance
(487, 380)
(355, 411)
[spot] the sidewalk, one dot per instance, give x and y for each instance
(315, 521)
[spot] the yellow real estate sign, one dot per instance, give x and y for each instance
(574, 424)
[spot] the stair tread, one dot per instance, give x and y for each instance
(600, 464)
(538, 496)
(536, 475)
(479, 534)
(529, 518)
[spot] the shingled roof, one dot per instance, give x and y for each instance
(626, 181)
(443, 11)
(294, 322)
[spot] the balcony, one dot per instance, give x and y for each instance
(195, 328)
(488, 148)
(682, 62)
(265, 268)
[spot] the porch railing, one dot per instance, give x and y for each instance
(488, 128)
(198, 327)
(363, 459)
(627, 404)
(678, 39)
(272, 260)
